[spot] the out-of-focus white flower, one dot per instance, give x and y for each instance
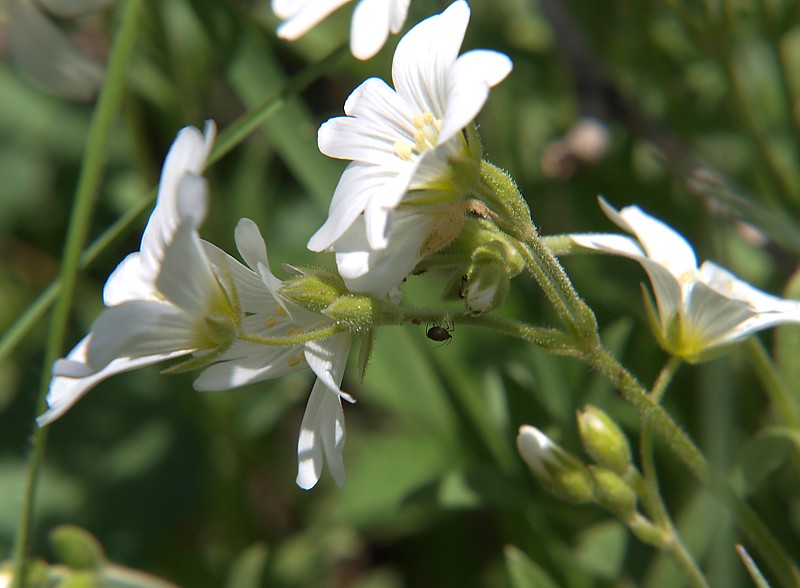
(372, 21)
(403, 139)
(699, 309)
(43, 51)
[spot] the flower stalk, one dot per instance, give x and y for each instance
(105, 113)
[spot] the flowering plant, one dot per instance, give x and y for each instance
(448, 290)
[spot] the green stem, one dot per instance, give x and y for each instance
(108, 105)
(675, 548)
(291, 340)
(651, 496)
(510, 212)
(780, 396)
(545, 338)
(250, 121)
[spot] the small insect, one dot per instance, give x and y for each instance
(439, 333)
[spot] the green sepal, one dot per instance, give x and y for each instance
(613, 493)
(365, 352)
(314, 292)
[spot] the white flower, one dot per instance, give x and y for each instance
(134, 280)
(416, 233)
(181, 296)
(403, 139)
(372, 21)
(322, 433)
(698, 308)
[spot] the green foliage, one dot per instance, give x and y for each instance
(198, 488)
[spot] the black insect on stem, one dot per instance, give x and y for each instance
(439, 333)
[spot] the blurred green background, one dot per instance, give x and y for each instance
(701, 106)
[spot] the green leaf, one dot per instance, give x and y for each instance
(248, 568)
(767, 452)
(787, 342)
(601, 549)
(524, 573)
(752, 568)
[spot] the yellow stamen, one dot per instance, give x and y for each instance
(403, 149)
(279, 310)
(270, 322)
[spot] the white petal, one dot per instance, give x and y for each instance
(729, 285)
(359, 183)
(397, 14)
(609, 243)
(306, 18)
(425, 54)
(138, 328)
(250, 243)
(665, 285)
(376, 119)
(255, 364)
(130, 280)
(65, 389)
(369, 28)
(715, 316)
(253, 295)
(186, 278)
(662, 244)
(468, 83)
(187, 155)
(378, 272)
(284, 9)
(668, 290)
(328, 358)
(322, 433)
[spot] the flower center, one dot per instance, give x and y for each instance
(426, 134)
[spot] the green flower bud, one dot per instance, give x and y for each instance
(314, 291)
(612, 493)
(557, 470)
(357, 312)
(76, 548)
(603, 440)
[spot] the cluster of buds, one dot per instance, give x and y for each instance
(610, 482)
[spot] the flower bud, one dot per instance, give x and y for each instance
(76, 548)
(612, 493)
(314, 292)
(603, 440)
(557, 470)
(358, 312)
(485, 287)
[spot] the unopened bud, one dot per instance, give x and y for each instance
(603, 440)
(314, 292)
(357, 312)
(485, 288)
(557, 470)
(76, 548)
(612, 493)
